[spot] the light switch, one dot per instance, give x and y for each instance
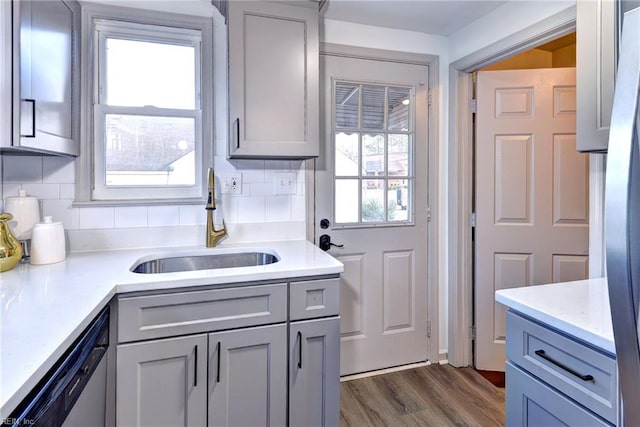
(284, 183)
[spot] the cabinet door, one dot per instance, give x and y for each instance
(596, 67)
(314, 372)
(273, 80)
(162, 382)
(532, 403)
(46, 82)
(248, 377)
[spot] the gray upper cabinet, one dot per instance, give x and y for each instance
(596, 67)
(273, 79)
(45, 83)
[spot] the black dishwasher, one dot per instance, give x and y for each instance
(74, 390)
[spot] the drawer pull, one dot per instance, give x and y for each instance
(218, 362)
(195, 368)
(544, 355)
(300, 351)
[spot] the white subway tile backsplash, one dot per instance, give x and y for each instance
(129, 217)
(22, 169)
(61, 210)
(298, 208)
(193, 215)
(42, 191)
(67, 191)
(159, 216)
(58, 170)
(251, 209)
(278, 208)
(91, 218)
(260, 189)
(10, 189)
(228, 206)
(252, 170)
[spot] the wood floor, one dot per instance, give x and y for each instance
(436, 395)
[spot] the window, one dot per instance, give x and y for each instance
(373, 159)
(150, 108)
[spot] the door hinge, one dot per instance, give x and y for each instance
(429, 98)
(429, 214)
(473, 106)
(473, 219)
(428, 328)
(472, 332)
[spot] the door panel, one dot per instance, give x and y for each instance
(372, 181)
(531, 194)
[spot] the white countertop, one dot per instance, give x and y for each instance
(579, 309)
(43, 309)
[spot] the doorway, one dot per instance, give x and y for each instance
(460, 160)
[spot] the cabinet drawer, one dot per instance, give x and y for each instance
(316, 298)
(582, 373)
(532, 403)
(156, 316)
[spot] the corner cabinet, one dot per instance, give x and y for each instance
(273, 79)
(555, 380)
(230, 355)
(595, 72)
(43, 48)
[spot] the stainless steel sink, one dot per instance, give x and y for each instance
(204, 262)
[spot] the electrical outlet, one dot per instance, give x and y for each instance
(231, 183)
(284, 183)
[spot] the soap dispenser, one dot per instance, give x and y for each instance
(10, 248)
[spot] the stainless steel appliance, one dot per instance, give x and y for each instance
(622, 217)
(73, 393)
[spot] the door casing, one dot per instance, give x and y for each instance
(459, 160)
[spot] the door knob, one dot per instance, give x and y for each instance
(325, 243)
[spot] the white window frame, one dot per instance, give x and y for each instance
(101, 22)
(360, 177)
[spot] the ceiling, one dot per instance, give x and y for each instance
(440, 17)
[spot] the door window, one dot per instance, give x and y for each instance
(373, 160)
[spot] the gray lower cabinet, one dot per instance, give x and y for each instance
(314, 372)
(248, 377)
(162, 382)
(553, 379)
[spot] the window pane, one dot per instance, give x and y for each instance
(372, 154)
(149, 150)
(398, 109)
(373, 200)
(398, 199)
(346, 200)
(144, 73)
(346, 154)
(398, 155)
(347, 103)
(373, 107)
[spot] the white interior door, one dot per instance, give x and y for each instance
(531, 194)
(371, 186)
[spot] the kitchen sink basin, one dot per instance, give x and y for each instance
(204, 262)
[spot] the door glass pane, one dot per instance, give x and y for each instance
(373, 200)
(346, 160)
(149, 150)
(398, 199)
(398, 108)
(346, 202)
(398, 155)
(143, 73)
(347, 98)
(373, 107)
(373, 154)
